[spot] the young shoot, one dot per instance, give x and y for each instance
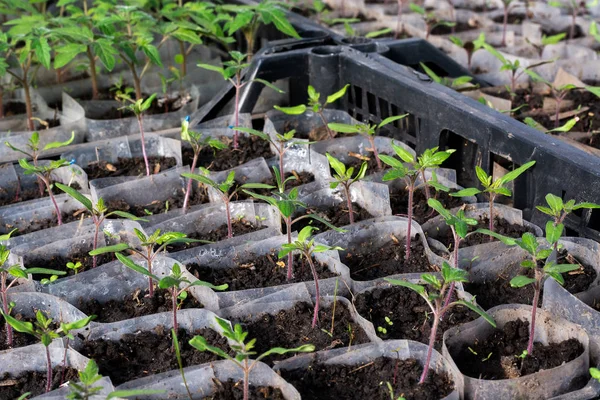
(42, 330)
(430, 19)
(367, 130)
(434, 295)
(287, 204)
(537, 254)
(86, 390)
(198, 142)
(8, 278)
(558, 210)
(224, 189)
(150, 247)
(315, 105)
(307, 247)
(453, 83)
(232, 71)
(470, 47)
(575, 7)
(506, 4)
(493, 188)
(346, 178)
(431, 158)
(243, 350)
(44, 173)
(138, 107)
(176, 283)
(99, 213)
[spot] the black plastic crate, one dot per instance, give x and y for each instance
(439, 116)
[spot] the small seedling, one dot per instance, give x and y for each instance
(243, 350)
(179, 361)
(547, 40)
(287, 204)
(138, 107)
(315, 105)
(434, 299)
(537, 253)
(454, 83)
(42, 330)
(85, 389)
(346, 178)
(150, 247)
(367, 130)
(223, 189)
(493, 188)
(198, 142)
(575, 7)
(75, 267)
(470, 47)
(595, 373)
(506, 4)
(431, 158)
(232, 71)
(430, 19)
(392, 393)
(559, 210)
(307, 247)
(382, 329)
(99, 213)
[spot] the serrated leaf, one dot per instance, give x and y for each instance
(106, 53)
(42, 51)
(66, 53)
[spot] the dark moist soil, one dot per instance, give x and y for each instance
(232, 390)
(33, 382)
(140, 354)
(337, 216)
(129, 167)
(133, 306)
(249, 148)
(367, 263)
(409, 313)
(421, 210)
(13, 108)
(34, 193)
(293, 328)
(302, 178)
(48, 223)
(447, 30)
(264, 271)
(502, 347)
(501, 226)
(356, 163)
(493, 293)
(239, 227)
(59, 263)
(169, 105)
(19, 339)
(368, 381)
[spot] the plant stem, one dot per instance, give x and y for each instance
(9, 331)
(229, 225)
(237, 110)
(184, 55)
(64, 363)
(411, 190)
(375, 152)
(425, 185)
(349, 202)
(28, 108)
(491, 222)
(58, 214)
(536, 299)
(457, 241)
(141, 124)
(290, 272)
(318, 293)
(329, 131)
(150, 283)
(93, 76)
(136, 81)
(48, 370)
(557, 113)
(504, 23)
(97, 224)
(174, 302)
(246, 380)
(188, 190)
(432, 336)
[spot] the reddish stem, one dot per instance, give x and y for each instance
(188, 190)
(329, 131)
(425, 185)
(246, 380)
(375, 152)
(536, 299)
(96, 231)
(397, 33)
(318, 294)
(48, 370)
(228, 214)
(28, 108)
(150, 283)
(434, 329)
(174, 302)
(58, 214)
(349, 201)
(290, 267)
(504, 23)
(9, 331)
(457, 241)
(64, 363)
(557, 113)
(237, 111)
(411, 190)
(141, 124)
(491, 222)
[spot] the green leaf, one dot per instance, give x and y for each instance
(66, 53)
(307, 348)
(337, 165)
(297, 110)
(109, 249)
(420, 289)
(404, 154)
(132, 393)
(555, 202)
(42, 51)
(343, 128)
(553, 233)
(560, 268)
(434, 77)
(586, 205)
(187, 35)
(214, 68)
(567, 126)
(528, 243)
(437, 206)
(210, 285)
(167, 282)
(595, 373)
(451, 274)
(392, 162)
(106, 53)
(87, 203)
(79, 324)
(512, 175)
(148, 102)
(432, 280)
(482, 176)
(45, 271)
(200, 344)
(478, 310)
(152, 53)
(504, 239)
(55, 145)
(545, 210)
(391, 119)
(337, 95)
(137, 268)
(268, 84)
(520, 281)
(279, 19)
(393, 174)
(19, 326)
(466, 192)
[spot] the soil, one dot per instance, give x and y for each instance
(59, 263)
(13, 108)
(128, 167)
(232, 390)
(33, 382)
(421, 210)
(239, 227)
(34, 193)
(47, 223)
(501, 226)
(293, 328)
(263, 271)
(504, 345)
(368, 381)
(133, 306)
(447, 30)
(198, 196)
(249, 149)
(337, 216)
(356, 163)
(19, 339)
(144, 353)
(160, 105)
(493, 293)
(367, 263)
(409, 314)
